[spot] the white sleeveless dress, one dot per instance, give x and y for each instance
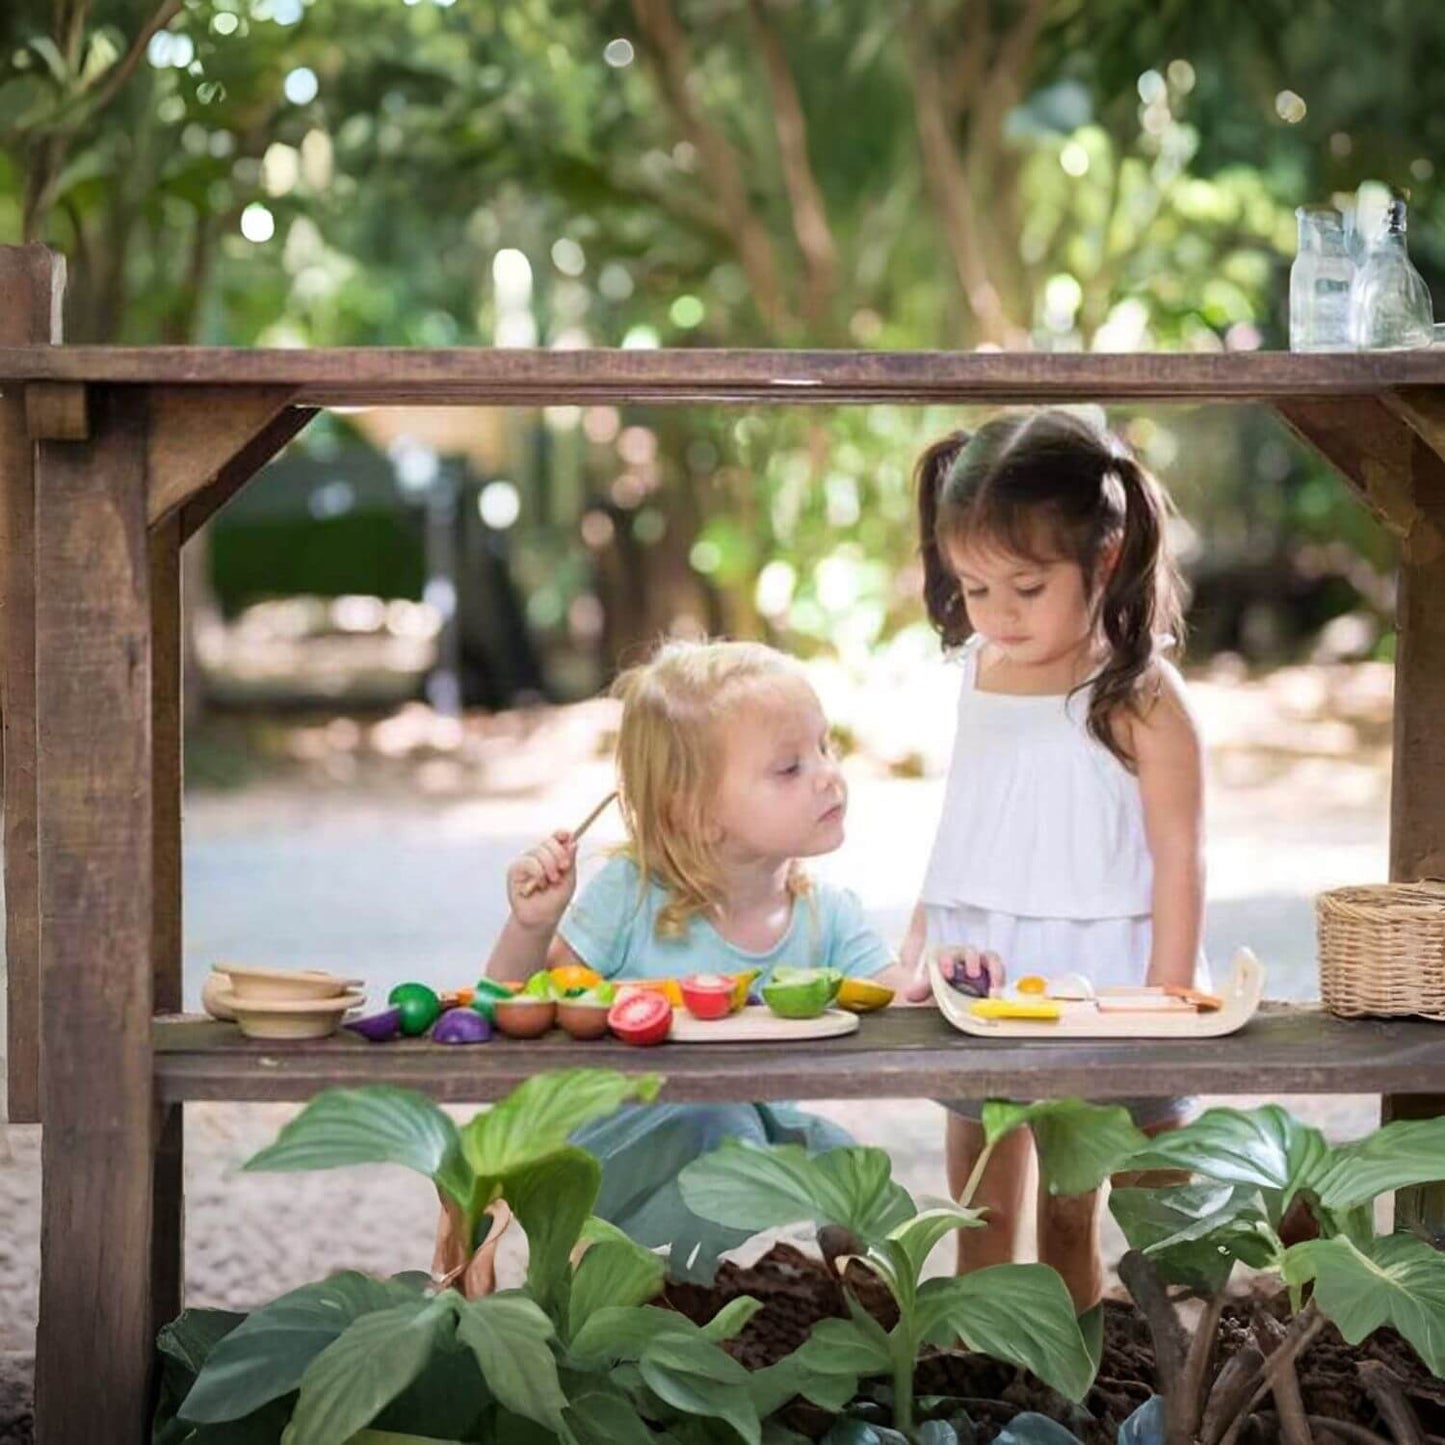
(1041, 853)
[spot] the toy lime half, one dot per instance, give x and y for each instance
(801, 993)
(486, 995)
(862, 995)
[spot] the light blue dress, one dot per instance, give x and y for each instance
(612, 927)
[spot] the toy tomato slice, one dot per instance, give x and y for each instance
(640, 1018)
(708, 995)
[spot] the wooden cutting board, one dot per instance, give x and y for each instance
(1240, 993)
(757, 1024)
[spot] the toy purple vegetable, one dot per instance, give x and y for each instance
(461, 1026)
(975, 986)
(378, 1027)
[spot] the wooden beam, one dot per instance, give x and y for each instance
(32, 283)
(56, 411)
(481, 376)
(96, 809)
(198, 431)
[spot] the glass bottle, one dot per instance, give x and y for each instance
(1319, 283)
(1390, 304)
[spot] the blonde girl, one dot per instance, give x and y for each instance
(727, 781)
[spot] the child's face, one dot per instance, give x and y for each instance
(781, 794)
(1036, 612)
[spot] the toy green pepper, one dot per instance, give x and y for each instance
(419, 1006)
(801, 993)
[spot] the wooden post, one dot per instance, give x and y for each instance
(1387, 448)
(32, 281)
(167, 646)
(94, 787)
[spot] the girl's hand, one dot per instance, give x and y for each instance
(540, 884)
(975, 971)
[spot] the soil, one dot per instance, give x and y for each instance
(798, 1289)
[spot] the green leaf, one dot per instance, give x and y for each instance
(184, 1345)
(1194, 1233)
(1400, 1283)
(731, 1319)
(825, 1368)
(392, 1437)
(1079, 1144)
(509, 1334)
(617, 1332)
(752, 1188)
(1016, 1312)
(1411, 1151)
(598, 1418)
(266, 1355)
(698, 1378)
(355, 1377)
(539, 1116)
(919, 1235)
(376, 1124)
(1265, 1147)
(613, 1273)
(552, 1199)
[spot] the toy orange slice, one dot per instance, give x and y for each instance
(573, 975)
(862, 995)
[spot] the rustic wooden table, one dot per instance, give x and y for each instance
(900, 1053)
(112, 457)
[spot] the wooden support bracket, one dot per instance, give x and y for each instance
(207, 441)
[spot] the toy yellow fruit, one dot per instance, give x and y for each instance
(1039, 1010)
(742, 983)
(567, 976)
(862, 995)
(1032, 983)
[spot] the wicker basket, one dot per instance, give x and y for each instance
(1382, 949)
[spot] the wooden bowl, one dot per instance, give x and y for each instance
(284, 983)
(583, 1020)
(296, 1018)
(525, 1018)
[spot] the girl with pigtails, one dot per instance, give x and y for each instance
(1072, 834)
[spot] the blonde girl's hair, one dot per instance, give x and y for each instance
(676, 708)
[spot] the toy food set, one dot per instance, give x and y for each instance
(1070, 1007)
(795, 1003)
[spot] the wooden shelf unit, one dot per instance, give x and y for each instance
(112, 457)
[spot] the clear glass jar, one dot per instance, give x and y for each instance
(1390, 304)
(1319, 283)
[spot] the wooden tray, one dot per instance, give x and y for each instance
(1241, 994)
(758, 1024)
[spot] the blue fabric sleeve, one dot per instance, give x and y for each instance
(599, 925)
(854, 947)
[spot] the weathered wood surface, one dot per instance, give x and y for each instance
(397, 376)
(903, 1053)
(32, 281)
(93, 670)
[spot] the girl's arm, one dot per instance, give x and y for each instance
(1169, 757)
(540, 884)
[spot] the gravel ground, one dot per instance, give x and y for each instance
(380, 851)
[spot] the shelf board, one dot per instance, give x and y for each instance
(903, 1053)
(395, 376)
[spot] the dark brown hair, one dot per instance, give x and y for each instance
(1049, 486)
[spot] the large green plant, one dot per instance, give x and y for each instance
(577, 1355)
(1260, 1178)
(1016, 1312)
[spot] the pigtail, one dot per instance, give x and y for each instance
(942, 597)
(1139, 600)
